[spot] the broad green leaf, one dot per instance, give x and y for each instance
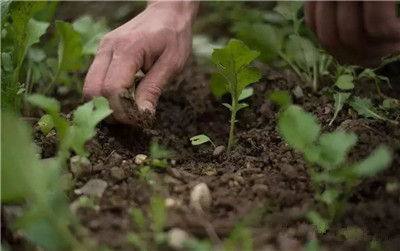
(318, 221)
(340, 100)
(265, 38)
(36, 55)
(247, 76)
(246, 93)
(86, 117)
(390, 103)
(298, 128)
(302, 51)
(70, 48)
(345, 82)
(91, 32)
(7, 62)
(365, 108)
(5, 13)
(377, 161)
(50, 105)
(35, 30)
(334, 147)
(200, 139)
(46, 124)
(288, 9)
(158, 213)
(281, 98)
(218, 85)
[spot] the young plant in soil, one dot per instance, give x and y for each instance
(234, 76)
(333, 176)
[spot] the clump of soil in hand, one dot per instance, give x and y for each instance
(141, 119)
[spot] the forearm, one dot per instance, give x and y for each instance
(186, 9)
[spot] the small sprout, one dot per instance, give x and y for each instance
(345, 82)
(201, 139)
(340, 100)
(46, 124)
(200, 198)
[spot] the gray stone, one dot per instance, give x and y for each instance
(117, 173)
(94, 187)
(218, 151)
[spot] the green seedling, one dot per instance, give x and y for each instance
(46, 124)
(201, 139)
(233, 76)
(86, 117)
(158, 155)
(150, 233)
(334, 178)
(340, 99)
(46, 220)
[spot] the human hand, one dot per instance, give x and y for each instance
(157, 41)
(355, 32)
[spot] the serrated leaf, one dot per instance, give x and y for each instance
(46, 124)
(334, 147)
(246, 93)
(70, 48)
(200, 139)
(298, 128)
(340, 100)
(365, 108)
(378, 160)
(345, 82)
(218, 85)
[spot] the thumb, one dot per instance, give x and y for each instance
(150, 88)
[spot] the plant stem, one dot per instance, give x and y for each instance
(53, 82)
(232, 127)
(287, 60)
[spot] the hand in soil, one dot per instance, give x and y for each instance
(355, 32)
(158, 41)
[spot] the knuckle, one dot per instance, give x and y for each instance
(105, 43)
(107, 90)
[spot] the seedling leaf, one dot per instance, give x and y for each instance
(281, 98)
(302, 51)
(70, 48)
(377, 161)
(247, 92)
(218, 85)
(317, 220)
(46, 124)
(345, 82)
(365, 108)
(340, 100)
(200, 139)
(298, 128)
(158, 210)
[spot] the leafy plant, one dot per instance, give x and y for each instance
(233, 76)
(150, 228)
(325, 153)
(340, 99)
(46, 220)
(86, 117)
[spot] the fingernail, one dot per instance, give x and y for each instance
(146, 105)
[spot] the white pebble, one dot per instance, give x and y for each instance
(200, 197)
(140, 158)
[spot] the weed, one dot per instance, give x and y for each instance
(333, 177)
(233, 76)
(201, 139)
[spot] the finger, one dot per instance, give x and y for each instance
(162, 72)
(119, 79)
(381, 20)
(97, 72)
(327, 31)
(309, 15)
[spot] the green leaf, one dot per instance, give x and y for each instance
(139, 219)
(317, 220)
(91, 32)
(5, 13)
(377, 161)
(247, 76)
(389, 104)
(7, 61)
(334, 147)
(246, 93)
(35, 30)
(302, 51)
(329, 196)
(228, 106)
(281, 98)
(136, 240)
(86, 117)
(288, 9)
(298, 128)
(36, 55)
(70, 48)
(345, 82)
(218, 85)
(340, 100)
(350, 234)
(46, 124)
(265, 38)
(50, 105)
(241, 106)
(365, 108)
(157, 152)
(158, 213)
(312, 245)
(200, 139)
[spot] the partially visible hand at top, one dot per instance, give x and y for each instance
(157, 41)
(355, 32)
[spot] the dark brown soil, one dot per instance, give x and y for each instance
(262, 177)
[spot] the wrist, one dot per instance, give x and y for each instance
(186, 9)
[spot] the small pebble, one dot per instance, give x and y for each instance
(218, 151)
(117, 173)
(177, 238)
(298, 92)
(200, 198)
(115, 159)
(94, 187)
(140, 158)
(98, 167)
(79, 164)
